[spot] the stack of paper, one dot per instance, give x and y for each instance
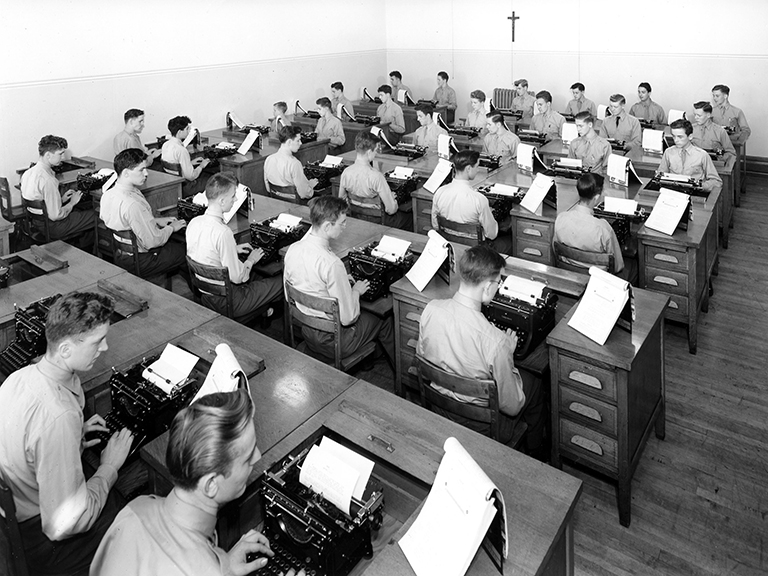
(522, 289)
(653, 140)
(391, 248)
(525, 156)
(602, 110)
(536, 193)
(401, 173)
(190, 136)
(444, 144)
(249, 141)
(504, 189)
(285, 222)
(435, 253)
(601, 305)
(675, 115)
(669, 208)
(171, 369)
(620, 205)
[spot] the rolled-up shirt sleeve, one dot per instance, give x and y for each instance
(143, 225)
(507, 378)
(338, 286)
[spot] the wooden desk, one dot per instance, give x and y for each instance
(607, 399)
(351, 130)
(369, 108)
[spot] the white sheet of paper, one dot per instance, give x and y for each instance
(340, 110)
(675, 115)
(570, 132)
(363, 465)
(248, 142)
(200, 199)
(666, 213)
(110, 181)
(445, 537)
(522, 289)
(379, 133)
(620, 205)
(401, 96)
(536, 193)
(331, 161)
(190, 136)
(525, 156)
(391, 248)
(225, 146)
(235, 120)
(570, 162)
(444, 145)
(600, 306)
(241, 193)
(435, 253)
(439, 174)
(601, 111)
(172, 368)
(652, 140)
(223, 375)
(330, 477)
(285, 222)
(617, 169)
(401, 172)
(504, 189)
(487, 105)
(674, 177)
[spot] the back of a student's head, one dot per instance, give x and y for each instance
(51, 143)
(128, 159)
(76, 313)
(219, 184)
(464, 159)
(326, 209)
(589, 185)
(365, 141)
(287, 133)
(177, 124)
(282, 106)
(385, 89)
(203, 437)
(479, 264)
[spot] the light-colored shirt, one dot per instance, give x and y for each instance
(174, 152)
(212, 243)
(712, 136)
(503, 144)
(362, 179)
(284, 169)
(154, 535)
(578, 228)
(123, 207)
(581, 105)
(330, 127)
(649, 111)
(124, 140)
(459, 202)
(311, 267)
(454, 335)
(346, 102)
(390, 113)
(727, 115)
(593, 153)
(41, 428)
(40, 183)
(626, 128)
(549, 124)
(427, 135)
(692, 161)
(476, 119)
(525, 103)
(446, 96)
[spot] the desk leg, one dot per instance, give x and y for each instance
(569, 556)
(660, 425)
(624, 496)
(743, 170)
(692, 333)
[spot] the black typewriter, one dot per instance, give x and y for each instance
(308, 137)
(508, 112)
(380, 272)
(617, 145)
(620, 222)
(432, 103)
(646, 124)
(691, 186)
(532, 322)
(216, 152)
(160, 141)
(564, 171)
(501, 204)
(489, 161)
(361, 118)
(186, 209)
(30, 342)
(322, 173)
(263, 130)
(731, 130)
(271, 239)
(402, 188)
(89, 181)
(410, 151)
(717, 155)
(531, 136)
(464, 131)
(307, 114)
(367, 96)
(307, 531)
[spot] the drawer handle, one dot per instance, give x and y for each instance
(666, 258)
(532, 232)
(426, 228)
(413, 317)
(427, 211)
(412, 343)
(665, 280)
(672, 304)
(587, 444)
(586, 379)
(383, 443)
(413, 371)
(532, 251)
(585, 411)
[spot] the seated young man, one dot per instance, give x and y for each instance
(124, 207)
(390, 113)
(212, 243)
(620, 125)
(174, 152)
(476, 117)
(396, 80)
(329, 126)
(284, 169)
(593, 150)
(363, 180)
(523, 100)
(686, 158)
(280, 110)
(459, 202)
(427, 133)
(129, 137)
(445, 95)
(725, 114)
(211, 453)
(337, 97)
(547, 121)
(580, 103)
(709, 135)
(311, 267)
(454, 335)
(40, 183)
(499, 141)
(646, 109)
(579, 228)
(62, 517)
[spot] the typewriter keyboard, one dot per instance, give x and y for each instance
(522, 335)
(115, 424)
(282, 561)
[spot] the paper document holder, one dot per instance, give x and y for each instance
(448, 266)
(627, 316)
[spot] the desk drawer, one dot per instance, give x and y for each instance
(677, 307)
(533, 251)
(410, 316)
(586, 444)
(423, 223)
(589, 411)
(587, 378)
(665, 258)
(408, 364)
(533, 231)
(666, 281)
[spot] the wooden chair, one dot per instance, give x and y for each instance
(329, 306)
(171, 168)
(9, 532)
(477, 388)
(564, 253)
(368, 209)
(35, 211)
(287, 193)
(13, 214)
(468, 234)
(124, 244)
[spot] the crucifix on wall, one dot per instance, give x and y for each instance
(513, 18)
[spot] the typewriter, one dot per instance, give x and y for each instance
(311, 114)
(306, 531)
(564, 170)
(620, 222)
(271, 239)
(646, 124)
(90, 181)
(532, 322)
(367, 96)
(308, 137)
(410, 151)
(378, 270)
(30, 342)
(186, 209)
(361, 118)
(500, 204)
(402, 188)
(489, 161)
(685, 184)
(432, 103)
(508, 112)
(263, 130)
(221, 150)
(531, 136)
(322, 173)
(717, 154)
(617, 145)
(465, 131)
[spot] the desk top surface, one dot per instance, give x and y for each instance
(270, 145)
(155, 178)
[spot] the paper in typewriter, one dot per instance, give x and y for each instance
(504, 189)
(336, 473)
(391, 248)
(401, 96)
(235, 120)
(248, 142)
(617, 169)
(444, 145)
(600, 306)
(331, 161)
(225, 374)
(190, 136)
(570, 132)
(675, 115)
(460, 507)
(439, 175)
(667, 211)
(285, 222)
(435, 253)
(620, 205)
(171, 369)
(536, 193)
(241, 193)
(652, 140)
(401, 173)
(379, 133)
(110, 181)
(525, 156)
(602, 110)
(570, 162)
(523, 289)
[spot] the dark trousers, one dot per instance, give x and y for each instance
(367, 329)
(400, 220)
(72, 555)
(158, 260)
(248, 297)
(503, 242)
(78, 222)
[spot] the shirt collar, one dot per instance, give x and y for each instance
(467, 302)
(59, 376)
(192, 517)
(315, 239)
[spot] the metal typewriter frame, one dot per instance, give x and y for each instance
(361, 257)
(281, 239)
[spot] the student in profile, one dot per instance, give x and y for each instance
(390, 113)
(688, 159)
(129, 137)
(279, 109)
(523, 100)
(337, 97)
(591, 149)
(547, 121)
(476, 117)
(709, 135)
(646, 109)
(725, 114)
(329, 126)
(396, 80)
(175, 153)
(499, 141)
(284, 169)
(580, 103)
(445, 95)
(428, 132)
(620, 125)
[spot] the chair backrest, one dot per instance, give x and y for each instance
(369, 209)
(476, 388)
(329, 306)
(9, 529)
(124, 244)
(171, 168)
(6, 206)
(287, 193)
(469, 234)
(36, 211)
(576, 260)
(213, 280)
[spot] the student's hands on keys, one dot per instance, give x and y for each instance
(94, 424)
(513, 336)
(361, 286)
(256, 255)
(252, 552)
(117, 449)
(178, 225)
(313, 183)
